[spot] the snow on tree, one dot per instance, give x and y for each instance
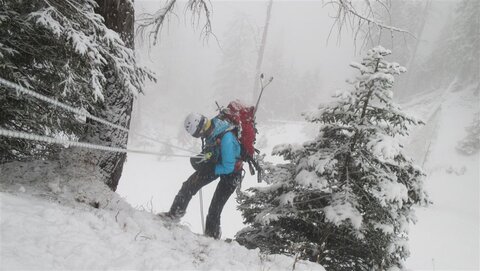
(471, 143)
(408, 15)
(118, 16)
(411, 16)
(346, 198)
(64, 50)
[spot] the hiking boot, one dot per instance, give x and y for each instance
(215, 234)
(168, 217)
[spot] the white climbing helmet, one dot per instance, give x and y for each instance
(194, 124)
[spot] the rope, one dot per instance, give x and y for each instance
(162, 142)
(51, 140)
(68, 143)
(15, 87)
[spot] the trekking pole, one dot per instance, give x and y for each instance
(219, 108)
(261, 92)
(201, 211)
(255, 164)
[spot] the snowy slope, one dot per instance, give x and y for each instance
(152, 183)
(52, 218)
(39, 233)
(448, 232)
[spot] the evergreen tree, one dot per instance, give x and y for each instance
(285, 101)
(411, 16)
(406, 14)
(281, 104)
(118, 16)
(456, 55)
(63, 50)
(235, 72)
(471, 143)
(345, 198)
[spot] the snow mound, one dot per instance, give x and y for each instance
(59, 218)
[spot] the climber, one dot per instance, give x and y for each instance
(220, 158)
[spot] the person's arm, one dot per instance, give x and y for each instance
(230, 149)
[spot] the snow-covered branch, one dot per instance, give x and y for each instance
(155, 21)
(353, 179)
(62, 49)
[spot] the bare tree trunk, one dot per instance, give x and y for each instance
(261, 51)
(119, 16)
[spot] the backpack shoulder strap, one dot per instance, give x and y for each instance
(230, 129)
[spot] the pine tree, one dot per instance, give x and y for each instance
(411, 16)
(118, 16)
(456, 54)
(461, 47)
(405, 14)
(345, 198)
(471, 143)
(235, 72)
(63, 50)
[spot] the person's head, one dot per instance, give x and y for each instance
(197, 125)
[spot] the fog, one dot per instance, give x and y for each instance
(309, 61)
(192, 73)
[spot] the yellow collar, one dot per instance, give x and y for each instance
(207, 125)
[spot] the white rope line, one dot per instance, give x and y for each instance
(51, 140)
(84, 113)
(44, 98)
(68, 143)
(162, 142)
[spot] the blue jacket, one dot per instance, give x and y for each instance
(229, 150)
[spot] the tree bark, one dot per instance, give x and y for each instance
(119, 16)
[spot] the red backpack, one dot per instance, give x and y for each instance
(243, 117)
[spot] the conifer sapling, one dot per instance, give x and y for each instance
(346, 198)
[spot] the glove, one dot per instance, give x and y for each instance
(207, 156)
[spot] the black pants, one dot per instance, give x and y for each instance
(225, 188)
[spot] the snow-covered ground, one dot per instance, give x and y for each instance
(447, 235)
(52, 219)
(56, 224)
(151, 183)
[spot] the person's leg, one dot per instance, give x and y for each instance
(189, 188)
(224, 190)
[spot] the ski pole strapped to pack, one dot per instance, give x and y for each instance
(243, 117)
